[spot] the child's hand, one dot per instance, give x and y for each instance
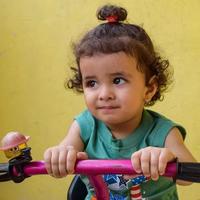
(151, 161)
(60, 160)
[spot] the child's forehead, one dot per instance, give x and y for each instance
(118, 59)
(108, 64)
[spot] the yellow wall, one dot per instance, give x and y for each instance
(35, 38)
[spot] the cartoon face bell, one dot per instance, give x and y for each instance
(13, 143)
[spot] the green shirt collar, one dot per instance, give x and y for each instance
(133, 139)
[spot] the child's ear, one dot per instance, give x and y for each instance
(152, 87)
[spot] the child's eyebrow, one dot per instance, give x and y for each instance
(120, 74)
(88, 78)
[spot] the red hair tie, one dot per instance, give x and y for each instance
(112, 18)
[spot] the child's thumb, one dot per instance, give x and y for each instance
(82, 156)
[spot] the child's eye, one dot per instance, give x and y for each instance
(118, 81)
(91, 83)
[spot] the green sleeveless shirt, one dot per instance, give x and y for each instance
(152, 131)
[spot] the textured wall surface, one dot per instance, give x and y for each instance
(35, 55)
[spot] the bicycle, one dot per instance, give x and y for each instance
(21, 167)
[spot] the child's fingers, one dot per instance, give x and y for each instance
(62, 162)
(71, 159)
(47, 159)
(145, 162)
(154, 164)
(151, 161)
(55, 162)
(59, 160)
(165, 157)
(135, 160)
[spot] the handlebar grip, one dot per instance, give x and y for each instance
(189, 171)
(4, 174)
(4, 167)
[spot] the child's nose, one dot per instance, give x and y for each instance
(106, 93)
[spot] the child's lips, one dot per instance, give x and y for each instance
(107, 107)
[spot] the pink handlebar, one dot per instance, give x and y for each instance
(95, 167)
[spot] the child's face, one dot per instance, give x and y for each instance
(114, 89)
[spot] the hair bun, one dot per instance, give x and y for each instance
(112, 13)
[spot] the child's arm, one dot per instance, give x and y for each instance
(152, 161)
(174, 142)
(60, 159)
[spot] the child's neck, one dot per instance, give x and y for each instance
(122, 130)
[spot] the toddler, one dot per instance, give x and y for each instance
(120, 74)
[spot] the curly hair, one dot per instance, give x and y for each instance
(116, 36)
